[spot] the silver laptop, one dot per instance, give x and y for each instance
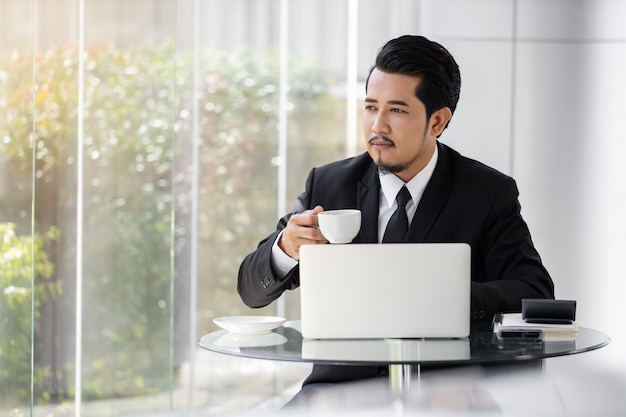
(405, 290)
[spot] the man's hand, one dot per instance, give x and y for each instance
(301, 230)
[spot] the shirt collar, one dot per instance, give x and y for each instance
(391, 184)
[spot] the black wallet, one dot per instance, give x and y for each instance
(538, 310)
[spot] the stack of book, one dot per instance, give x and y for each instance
(513, 322)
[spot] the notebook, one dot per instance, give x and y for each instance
(404, 290)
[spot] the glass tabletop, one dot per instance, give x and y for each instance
(482, 346)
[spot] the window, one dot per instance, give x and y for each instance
(146, 148)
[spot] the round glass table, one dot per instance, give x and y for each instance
(402, 356)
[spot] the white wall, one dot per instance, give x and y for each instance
(543, 100)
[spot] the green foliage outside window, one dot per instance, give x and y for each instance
(21, 258)
(138, 122)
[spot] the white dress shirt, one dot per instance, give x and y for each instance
(390, 186)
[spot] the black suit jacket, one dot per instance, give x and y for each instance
(464, 201)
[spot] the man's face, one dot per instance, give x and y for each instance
(397, 134)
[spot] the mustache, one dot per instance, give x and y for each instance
(383, 138)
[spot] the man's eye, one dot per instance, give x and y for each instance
(370, 108)
(396, 110)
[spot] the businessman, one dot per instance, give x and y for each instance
(411, 95)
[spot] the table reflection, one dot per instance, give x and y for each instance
(385, 350)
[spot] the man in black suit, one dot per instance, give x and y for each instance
(411, 94)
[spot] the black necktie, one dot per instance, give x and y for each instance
(398, 225)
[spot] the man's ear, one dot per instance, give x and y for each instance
(439, 120)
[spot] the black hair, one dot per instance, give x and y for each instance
(440, 84)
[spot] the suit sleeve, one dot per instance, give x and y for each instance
(258, 284)
(512, 266)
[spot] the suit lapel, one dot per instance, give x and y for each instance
(433, 199)
(431, 203)
(368, 202)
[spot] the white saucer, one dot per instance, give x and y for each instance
(249, 324)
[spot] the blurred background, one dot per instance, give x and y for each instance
(147, 146)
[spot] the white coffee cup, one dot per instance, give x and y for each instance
(339, 226)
